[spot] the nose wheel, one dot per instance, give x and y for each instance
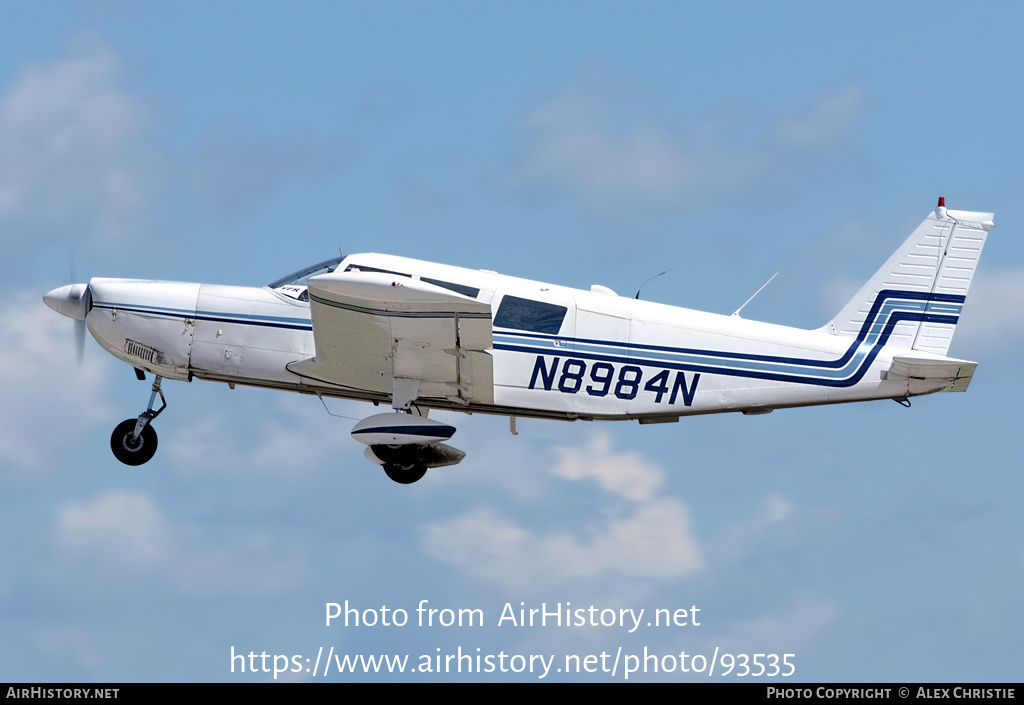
(134, 440)
(129, 448)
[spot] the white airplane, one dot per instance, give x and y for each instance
(421, 336)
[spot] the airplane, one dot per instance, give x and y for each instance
(420, 336)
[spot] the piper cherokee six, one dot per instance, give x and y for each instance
(421, 336)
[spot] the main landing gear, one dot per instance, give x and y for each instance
(404, 474)
(134, 440)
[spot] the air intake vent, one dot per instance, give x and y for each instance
(143, 352)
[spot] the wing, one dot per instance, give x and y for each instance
(401, 336)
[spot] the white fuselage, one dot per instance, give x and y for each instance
(608, 358)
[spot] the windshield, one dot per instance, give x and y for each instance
(294, 285)
(299, 278)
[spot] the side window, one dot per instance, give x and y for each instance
(526, 314)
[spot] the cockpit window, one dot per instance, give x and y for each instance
(294, 285)
(526, 314)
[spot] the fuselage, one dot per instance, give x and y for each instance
(557, 352)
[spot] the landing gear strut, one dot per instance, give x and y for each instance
(134, 440)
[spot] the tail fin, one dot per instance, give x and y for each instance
(915, 298)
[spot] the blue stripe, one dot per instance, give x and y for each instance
(433, 431)
(889, 308)
(154, 310)
(214, 316)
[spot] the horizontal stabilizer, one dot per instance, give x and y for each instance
(953, 375)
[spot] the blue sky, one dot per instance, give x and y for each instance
(573, 142)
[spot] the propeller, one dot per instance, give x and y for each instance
(80, 332)
(79, 325)
(73, 301)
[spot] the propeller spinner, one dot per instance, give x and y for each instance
(73, 301)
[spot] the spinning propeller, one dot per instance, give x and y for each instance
(73, 301)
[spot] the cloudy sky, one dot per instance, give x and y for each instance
(573, 142)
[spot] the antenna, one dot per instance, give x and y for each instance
(737, 311)
(649, 281)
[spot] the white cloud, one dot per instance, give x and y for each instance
(609, 160)
(79, 160)
(123, 530)
(48, 402)
(252, 433)
(628, 474)
(121, 538)
(573, 148)
(634, 529)
(638, 535)
(75, 157)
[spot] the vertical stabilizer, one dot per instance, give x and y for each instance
(917, 295)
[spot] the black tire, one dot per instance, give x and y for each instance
(404, 474)
(135, 453)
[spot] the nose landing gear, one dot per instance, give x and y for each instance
(134, 440)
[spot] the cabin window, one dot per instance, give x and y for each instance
(526, 314)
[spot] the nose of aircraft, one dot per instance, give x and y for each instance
(71, 300)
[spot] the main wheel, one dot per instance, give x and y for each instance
(132, 452)
(404, 474)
